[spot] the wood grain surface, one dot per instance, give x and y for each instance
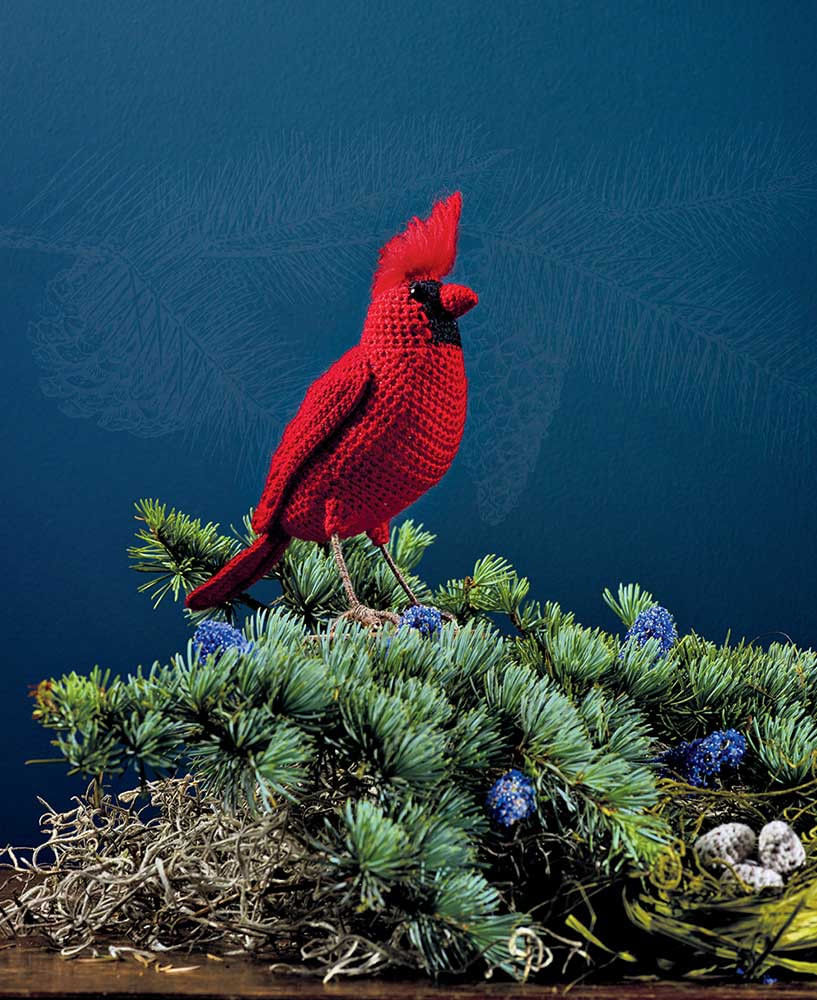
(30, 971)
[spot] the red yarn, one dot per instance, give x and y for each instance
(427, 247)
(382, 425)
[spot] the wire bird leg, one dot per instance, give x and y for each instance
(398, 575)
(358, 612)
(447, 616)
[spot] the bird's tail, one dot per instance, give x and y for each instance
(240, 572)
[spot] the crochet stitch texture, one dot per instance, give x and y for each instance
(382, 425)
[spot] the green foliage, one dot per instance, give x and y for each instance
(631, 601)
(787, 746)
(381, 747)
(490, 587)
(179, 552)
(380, 730)
(375, 850)
(461, 922)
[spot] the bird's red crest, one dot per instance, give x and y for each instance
(426, 248)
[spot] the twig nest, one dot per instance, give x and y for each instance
(730, 842)
(753, 876)
(779, 847)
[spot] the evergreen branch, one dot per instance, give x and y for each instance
(378, 750)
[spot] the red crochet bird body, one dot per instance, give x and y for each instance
(382, 425)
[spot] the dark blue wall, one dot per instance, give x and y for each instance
(191, 203)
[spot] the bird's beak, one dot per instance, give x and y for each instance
(457, 299)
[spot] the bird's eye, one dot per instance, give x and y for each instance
(418, 291)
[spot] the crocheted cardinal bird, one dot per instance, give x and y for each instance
(377, 429)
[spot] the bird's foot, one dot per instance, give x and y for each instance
(370, 617)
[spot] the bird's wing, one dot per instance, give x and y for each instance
(329, 403)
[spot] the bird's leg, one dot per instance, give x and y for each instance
(398, 575)
(358, 612)
(404, 583)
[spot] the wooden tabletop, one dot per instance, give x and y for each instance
(30, 971)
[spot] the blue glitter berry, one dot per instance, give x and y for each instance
(427, 621)
(216, 637)
(700, 761)
(654, 623)
(511, 798)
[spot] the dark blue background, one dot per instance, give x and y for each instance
(193, 196)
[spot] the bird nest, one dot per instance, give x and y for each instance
(708, 929)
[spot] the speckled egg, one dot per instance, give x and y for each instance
(755, 877)
(779, 847)
(730, 841)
